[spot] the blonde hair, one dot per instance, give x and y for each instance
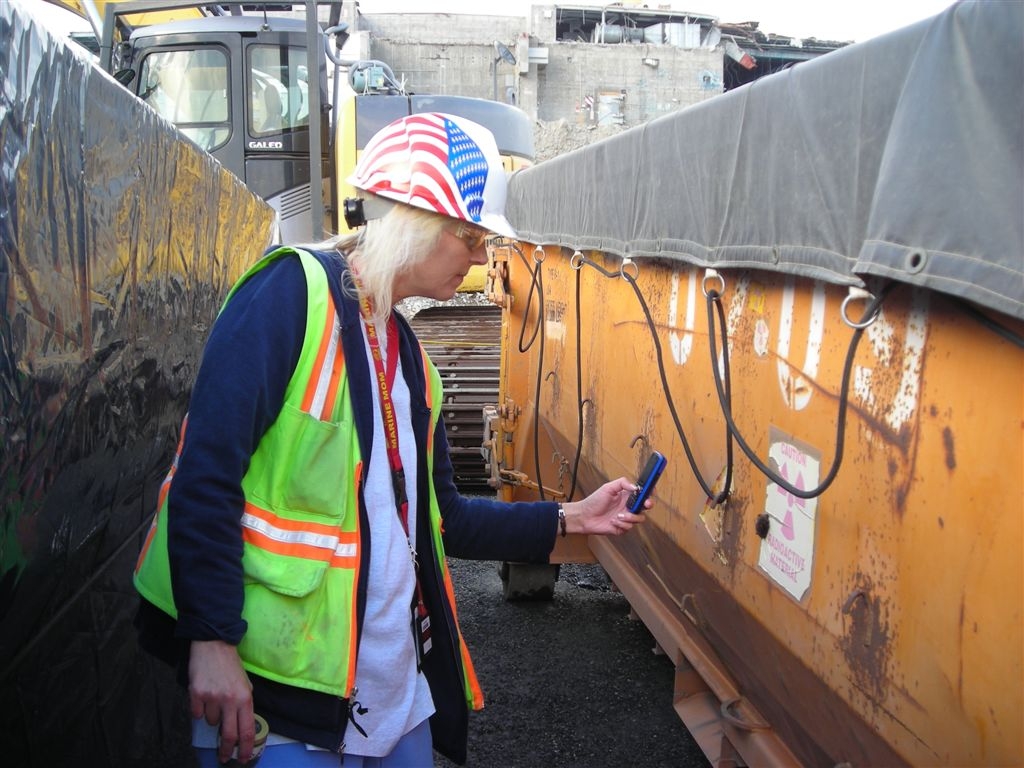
(386, 247)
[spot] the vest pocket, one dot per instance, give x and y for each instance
(305, 642)
(284, 574)
(307, 465)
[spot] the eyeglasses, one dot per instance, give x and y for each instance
(472, 236)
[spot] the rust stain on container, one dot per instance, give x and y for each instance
(866, 642)
(947, 442)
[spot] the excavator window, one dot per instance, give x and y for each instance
(189, 87)
(278, 89)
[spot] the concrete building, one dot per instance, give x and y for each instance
(591, 66)
(581, 64)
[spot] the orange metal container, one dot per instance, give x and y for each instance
(878, 623)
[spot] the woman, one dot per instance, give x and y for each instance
(296, 566)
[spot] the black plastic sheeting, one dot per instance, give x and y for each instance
(118, 241)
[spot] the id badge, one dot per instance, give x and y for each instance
(421, 631)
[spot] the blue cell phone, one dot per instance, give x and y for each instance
(645, 485)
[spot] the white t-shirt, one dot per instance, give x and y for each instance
(394, 693)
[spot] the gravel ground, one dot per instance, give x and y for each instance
(569, 683)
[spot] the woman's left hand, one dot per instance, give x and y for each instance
(604, 512)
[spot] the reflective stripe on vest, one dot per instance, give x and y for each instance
(266, 530)
(322, 388)
(161, 499)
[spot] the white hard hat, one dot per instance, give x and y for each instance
(441, 163)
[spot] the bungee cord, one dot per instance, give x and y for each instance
(536, 283)
(722, 374)
(580, 402)
(714, 497)
(714, 300)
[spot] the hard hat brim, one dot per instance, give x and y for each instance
(497, 224)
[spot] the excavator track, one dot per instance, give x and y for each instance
(465, 344)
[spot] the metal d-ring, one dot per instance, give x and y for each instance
(858, 294)
(539, 259)
(628, 262)
(712, 274)
(576, 260)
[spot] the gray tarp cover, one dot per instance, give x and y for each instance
(898, 158)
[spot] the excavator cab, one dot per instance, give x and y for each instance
(189, 71)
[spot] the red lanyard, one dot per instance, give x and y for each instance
(385, 382)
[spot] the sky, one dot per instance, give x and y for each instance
(856, 20)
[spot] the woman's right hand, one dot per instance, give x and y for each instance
(220, 691)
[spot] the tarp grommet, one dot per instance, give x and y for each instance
(915, 261)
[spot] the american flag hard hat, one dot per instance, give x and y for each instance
(439, 162)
